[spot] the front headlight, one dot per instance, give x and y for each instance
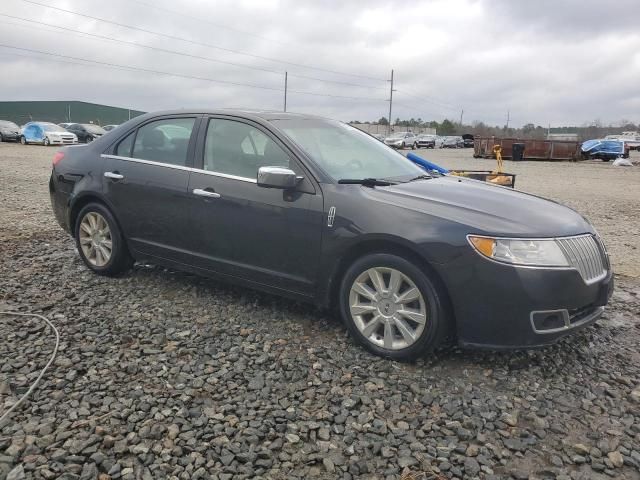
(531, 252)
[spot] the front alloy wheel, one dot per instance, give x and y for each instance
(46, 142)
(391, 307)
(387, 308)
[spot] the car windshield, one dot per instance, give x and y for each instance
(344, 152)
(7, 124)
(51, 127)
(93, 128)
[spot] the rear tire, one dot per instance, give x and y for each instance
(100, 242)
(391, 307)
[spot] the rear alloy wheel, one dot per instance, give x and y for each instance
(391, 307)
(46, 142)
(100, 241)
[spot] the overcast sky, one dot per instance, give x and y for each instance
(547, 62)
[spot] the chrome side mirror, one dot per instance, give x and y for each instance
(277, 177)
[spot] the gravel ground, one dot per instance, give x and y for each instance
(162, 374)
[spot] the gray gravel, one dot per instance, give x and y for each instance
(162, 374)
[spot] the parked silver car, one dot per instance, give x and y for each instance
(401, 140)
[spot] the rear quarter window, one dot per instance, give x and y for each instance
(124, 147)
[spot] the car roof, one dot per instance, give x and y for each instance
(268, 115)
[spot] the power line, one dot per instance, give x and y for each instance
(202, 44)
(179, 75)
(425, 100)
(429, 99)
(183, 54)
(414, 109)
(202, 20)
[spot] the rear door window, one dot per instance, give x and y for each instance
(164, 141)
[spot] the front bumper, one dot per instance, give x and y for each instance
(501, 306)
(62, 141)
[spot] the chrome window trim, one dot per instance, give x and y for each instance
(180, 167)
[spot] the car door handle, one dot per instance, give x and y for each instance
(205, 193)
(113, 175)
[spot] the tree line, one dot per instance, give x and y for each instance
(595, 129)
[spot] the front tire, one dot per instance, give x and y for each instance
(391, 307)
(46, 142)
(23, 140)
(100, 242)
(414, 146)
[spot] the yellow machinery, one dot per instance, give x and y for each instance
(497, 177)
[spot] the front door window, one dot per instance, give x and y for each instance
(239, 149)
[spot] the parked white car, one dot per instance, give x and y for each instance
(45, 133)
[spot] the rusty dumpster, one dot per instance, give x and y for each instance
(533, 149)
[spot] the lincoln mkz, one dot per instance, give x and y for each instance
(316, 210)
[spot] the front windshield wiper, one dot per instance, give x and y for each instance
(420, 177)
(367, 182)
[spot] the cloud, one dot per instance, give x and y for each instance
(545, 62)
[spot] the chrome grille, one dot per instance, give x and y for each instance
(586, 255)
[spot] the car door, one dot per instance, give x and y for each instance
(264, 235)
(145, 178)
(78, 130)
(410, 139)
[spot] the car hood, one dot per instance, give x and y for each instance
(485, 209)
(59, 132)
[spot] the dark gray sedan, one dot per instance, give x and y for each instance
(9, 131)
(319, 211)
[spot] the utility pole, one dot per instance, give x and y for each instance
(390, 102)
(508, 116)
(285, 90)
(69, 107)
(461, 114)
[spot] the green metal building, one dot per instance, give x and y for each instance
(61, 111)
